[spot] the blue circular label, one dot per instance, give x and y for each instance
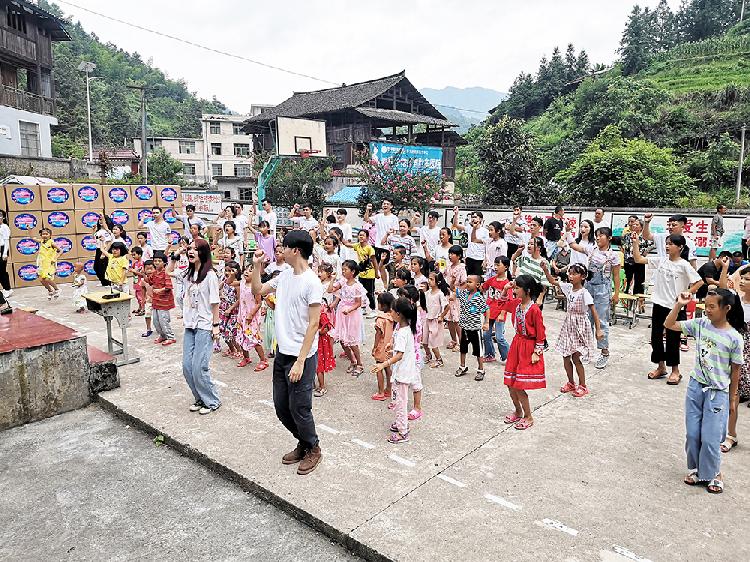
(118, 194)
(90, 219)
(27, 246)
(64, 243)
(58, 219)
(64, 269)
(145, 215)
(143, 193)
(120, 217)
(28, 272)
(58, 195)
(88, 194)
(169, 194)
(169, 216)
(25, 221)
(174, 237)
(88, 243)
(88, 268)
(22, 196)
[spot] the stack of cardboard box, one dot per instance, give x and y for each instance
(72, 212)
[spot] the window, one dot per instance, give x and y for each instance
(29, 138)
(216, 148)
(227, 195)
(187, 147)
(243, 170)
(16, 20)
(188, 169)
(152, 144)
(246, 193)
(241, 149)
(214, 128)
(215, 169)
(237, 129)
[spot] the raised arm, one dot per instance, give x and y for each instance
(455, 220)
(368, 212)
(671, 323)
(646, 228)
(257, 286)
(638, 257)
(550, 279)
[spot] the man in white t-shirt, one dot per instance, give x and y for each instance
(159, 231)
(269, 215)
(429, 234)
(478, 237)
(305, 221)
(188, 219)
(299, 294)
(385, 223)
(675, 225)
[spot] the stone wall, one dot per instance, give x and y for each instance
(43, 167)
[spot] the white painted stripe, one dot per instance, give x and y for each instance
(327, 429)
(628, 554)
(500, 501)
(401, 460)
(220, 383)
(451, 480)
(267, 403)
(364, 444)
(556, 525)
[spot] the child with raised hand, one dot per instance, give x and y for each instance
(142, 242)
(228, 305)
(80, 288)
(576, 341)
(250, 332)
(417, 299)
(148, 295)
(436, 301)
(498, 290)
(349, 314)
(715, 377)
(326, 355)
(46, 262)
(530, 263)
(456, 277)
(136, 268)
(524, 368)
(398, 263)
(403, 362)
(159, 290)
(474, 317)
(400, 280)
(381, 348)
(117, 266)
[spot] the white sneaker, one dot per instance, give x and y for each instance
(602, 361)
(7, 294)
(56, 294)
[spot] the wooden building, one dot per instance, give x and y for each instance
(388, 109)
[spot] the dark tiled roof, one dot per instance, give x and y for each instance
(402, 117)
(52, 23)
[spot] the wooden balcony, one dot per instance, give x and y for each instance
(26, 101)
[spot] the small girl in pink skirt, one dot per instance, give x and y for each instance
(348, 328)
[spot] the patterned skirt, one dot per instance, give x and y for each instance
(576, 336)
(520, 372)
(744, 386)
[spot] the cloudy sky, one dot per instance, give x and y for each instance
(439, 43)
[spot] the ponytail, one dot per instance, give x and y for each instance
(405, 308)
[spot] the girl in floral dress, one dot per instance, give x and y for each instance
(250, 333)
(455, 275)
(228, 306)
(349, 314)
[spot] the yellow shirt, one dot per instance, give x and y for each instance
(117, 269)
(364, 253)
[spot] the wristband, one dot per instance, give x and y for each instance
(216, 324)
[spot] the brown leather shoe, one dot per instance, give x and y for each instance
(295, 456)
(310, 462)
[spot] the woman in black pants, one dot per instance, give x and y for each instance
(4, 253)
(102, 231)
(635, 272)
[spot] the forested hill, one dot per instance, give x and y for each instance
(115, 110)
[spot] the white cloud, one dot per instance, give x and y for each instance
(439, 43)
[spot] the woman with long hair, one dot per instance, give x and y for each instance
(4, 252)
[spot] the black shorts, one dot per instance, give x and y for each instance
(382, 255)
(474, 267)
(470, 337)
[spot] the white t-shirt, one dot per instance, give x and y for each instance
(405, 371)
(270, 218)
(199, 297)
(187, 222)
(148, 252)
(304, 223)
(581, 257)
(496, 248)
(346, 230)
(670, 279)
(660, 241)
(274, 267)
(441, 257)
(159, 232)
(383, 225)
(520, 227)
(236, 243)
(431, 235)
(571, 295)
(4, 240)
(294, 295)
(475, 250)
(241, 222)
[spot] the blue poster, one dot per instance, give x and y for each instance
(411, 158)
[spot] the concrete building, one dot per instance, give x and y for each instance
(27, 96)
(189, 151)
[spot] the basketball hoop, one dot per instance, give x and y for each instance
(306, 153)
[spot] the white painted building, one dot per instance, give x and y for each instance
(187, 150)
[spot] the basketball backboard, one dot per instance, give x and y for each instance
(300, 137)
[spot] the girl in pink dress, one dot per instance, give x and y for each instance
(250, 320)
(348, 328)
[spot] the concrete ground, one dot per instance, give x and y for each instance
(84, 486)
(598, 478)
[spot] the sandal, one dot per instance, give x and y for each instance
(245, 362)
(729, 443)
(512, 418)
(319, 392)
(675, 382)
(349, 369)
(524, 424)
(692, 478)
(716, 486)
(262, 366)
(461, 371)
(656, 374)
(415, 415)
(358, 370)
(569, 387)
(437, 364)
(451, 345)
(379, 397)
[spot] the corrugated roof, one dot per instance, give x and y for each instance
(402, 117)
(347, 194)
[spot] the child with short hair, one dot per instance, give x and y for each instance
(46, 262)
(474, 317)
(136, 268)
(398, 263)
(80, 288)
(148, 269)
(142, 241)
(250, 333)
(436, 302)
(380, 347)
(117, 266)
(228, 305)
(326, 355)
(159, 286)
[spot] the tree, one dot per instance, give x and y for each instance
(638, 41)
(300, 181)
(468, 180)
(163, 169)
(622, 172)
(701, 19)
(508, 163)
(666, 27)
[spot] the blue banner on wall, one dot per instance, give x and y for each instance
(412, 158)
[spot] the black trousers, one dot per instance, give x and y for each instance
(637, 273)
(668, 351)
(745, 248)
(100, 267)
(473, 267)
(293, 401)
(472, 337)
(4, 279)
(369, 285)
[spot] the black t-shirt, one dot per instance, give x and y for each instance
(553, 228)
(707, 271)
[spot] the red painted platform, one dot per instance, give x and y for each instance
(22, 329)
(96, 355)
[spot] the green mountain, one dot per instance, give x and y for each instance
(464, 106)
(115, 110)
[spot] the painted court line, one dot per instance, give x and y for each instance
(267, 403)
(220, 383)
(401, 460)
(556, 525)
(622, 551)
(364, 444)
(327, 429)
(451, 480)
(500, 501)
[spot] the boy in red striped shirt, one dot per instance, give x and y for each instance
(162, 301)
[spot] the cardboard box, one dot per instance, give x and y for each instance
(87, 196)
(56, 197)
(126, 218)
(23, 198)
(143, 196)
(142, 215)
(65, 271)
(25, 274)
(24, 223)
(117, 197)
(85, 220)
(170, 215)
(168, 195)
(67, 243)
(85, 246)
(59, 221)
(23, 249)
(88, 269)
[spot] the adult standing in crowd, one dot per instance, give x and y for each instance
(159, 230)
(345, 249)
(514, 227)
(299, 295)
(478, 237)
(4, 252)
(675, 225)
(429, 234)
(269, 215)
(717, 231)
(200, 314)
(241, 222)
(746, 239)
(103, 237)
(553, 229)
(303, 220)
(189, 219)
(599, 218)
(385, 223)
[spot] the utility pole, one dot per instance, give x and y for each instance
(742, 161)
(88, 68)
(144, 156)
(742, 11)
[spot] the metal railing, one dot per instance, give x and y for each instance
(26, 101)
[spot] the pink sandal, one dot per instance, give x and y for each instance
(262, 366)
(524, 424)
(569, 387)
(512, 418)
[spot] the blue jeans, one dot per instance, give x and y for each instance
(602, 295)
(197, 348)
(706, 415)
(502, 344)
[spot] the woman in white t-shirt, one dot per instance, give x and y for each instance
(440, 257)
(673, 276)
(200, 311)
